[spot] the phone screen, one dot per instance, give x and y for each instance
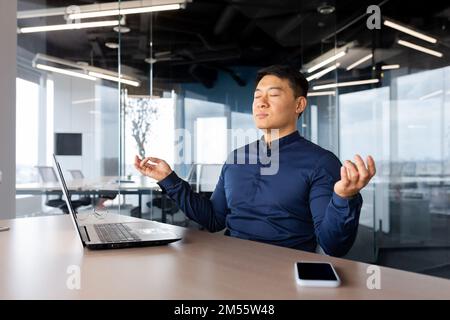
(315, 271)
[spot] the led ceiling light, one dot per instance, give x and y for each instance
(70, 26)
(409, 31)
(112, 78)
(65, 72)
(357, 63)
(327, 61)
(321, 93)
(420, 48)
(121, 29)
(104, 9)
(346, 84)
(431, 95)
(326, 9)
(323, 72)
(123, 12)
(390, 67)
(83, 101)
(86, 71)
(112, 45)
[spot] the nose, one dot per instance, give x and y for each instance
(261, 102)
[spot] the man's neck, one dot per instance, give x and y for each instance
(271, 134)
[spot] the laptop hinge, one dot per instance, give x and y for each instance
(84, 234)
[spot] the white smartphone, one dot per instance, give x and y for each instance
(316, 274)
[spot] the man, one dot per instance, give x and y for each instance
(311, 200)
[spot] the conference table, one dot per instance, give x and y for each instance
(95, 187)
(41, 255)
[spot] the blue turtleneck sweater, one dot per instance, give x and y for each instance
(291, 204)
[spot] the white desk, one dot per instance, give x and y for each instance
(36, 253)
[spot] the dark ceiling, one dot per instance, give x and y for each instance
(209, 35)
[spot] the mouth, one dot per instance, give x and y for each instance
(262, 115)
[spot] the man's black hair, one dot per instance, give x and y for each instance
(296, 79)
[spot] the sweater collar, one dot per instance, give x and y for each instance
(294, 136)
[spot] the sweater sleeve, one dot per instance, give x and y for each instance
(209, 213)
(335, 219)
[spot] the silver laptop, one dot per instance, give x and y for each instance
(116, 235)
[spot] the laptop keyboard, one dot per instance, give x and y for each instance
(115, 232)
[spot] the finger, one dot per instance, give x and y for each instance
(354, 175)
(155, 160)
(137, 162)
(344, 176)
(147, 163)
(144, 161)
(138, 167)
(362, 170)
(371, 166)
(349, 175)
(148, 168)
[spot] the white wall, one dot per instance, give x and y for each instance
(8, 35)
(90, 108)
(74, 112)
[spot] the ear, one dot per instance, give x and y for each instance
(301, 105)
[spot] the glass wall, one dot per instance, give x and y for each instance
(67, 104)
(402, 120)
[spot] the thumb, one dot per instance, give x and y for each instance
(344, 176)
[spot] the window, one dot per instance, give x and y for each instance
(27, 130)
(149, 127)
(211, 140)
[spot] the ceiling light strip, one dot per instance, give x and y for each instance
(118, 12)
(71, 26)
(321, 93)
(116, 79)
(431, 95)
(327, 61)
(409, 31)
(357, 63)
(97, 7)
(420, 48)
(390, 67)
(346, 84)
(323, 72)
(65, 72)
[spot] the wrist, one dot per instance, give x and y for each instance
(169, 181)
(165, 175)
(346, 196)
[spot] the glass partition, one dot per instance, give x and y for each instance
(402, 120)
(67, 105)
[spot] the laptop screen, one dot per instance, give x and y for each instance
(66, 193)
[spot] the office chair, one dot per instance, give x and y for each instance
(202, 178)
(168, 206)
(48, 174)
(207, 178)
(78, 174)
